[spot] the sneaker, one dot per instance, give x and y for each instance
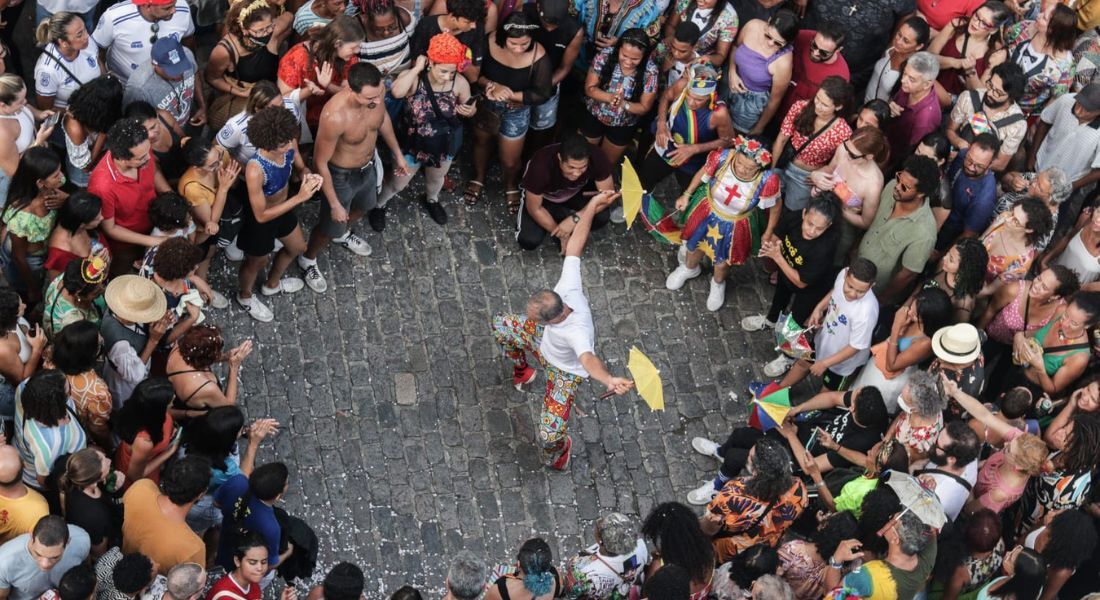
(256, 309)
(521, 377)
(756, 388)
(233, 253)
(287, 285)
(314, 279)
(756, 323)
(702, 494)
(278, 245)
(217, 300)
(717, 296)
(377, 218)
(354, 243)
(435, 210)
(617, 215)
(706, 447)
(779, 366)
(563, 460)
(682, 254)
(679, 277)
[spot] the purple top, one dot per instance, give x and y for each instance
(752, 67)
(915, 121)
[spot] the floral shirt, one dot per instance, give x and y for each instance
(1006, 267)
(59, 312)
(747, 521)
(29, 226)
(618, 117)
(1086, 55)
(1051, 77)
(919, 438)
(724, 28)
(820, 151)
(92, 398)
(594, 576)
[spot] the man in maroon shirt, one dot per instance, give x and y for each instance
(816, 56)
(914, 108)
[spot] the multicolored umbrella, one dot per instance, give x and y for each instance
(792, 339)
(770, 408)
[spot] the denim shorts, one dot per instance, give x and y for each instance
(545, 115)
(514, 121)
(357, 191)
(204, 514)
(745, 109)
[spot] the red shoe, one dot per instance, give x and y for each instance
(563, 460)
(521, 377)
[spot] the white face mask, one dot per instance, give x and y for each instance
(902, 404)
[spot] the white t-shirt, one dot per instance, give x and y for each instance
(75, 6)
(126, 34)
(846, 323)
(563, 343)
(53, 81)
(952, 494)
(233, 136)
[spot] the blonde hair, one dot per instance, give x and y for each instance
(1030, 454)
(10, 86)
(52, 30)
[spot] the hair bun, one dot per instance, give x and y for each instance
(538, 583)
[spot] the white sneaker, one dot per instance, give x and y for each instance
(314, 279)
(278, 245)
(233, 253)
(756, 323)
(287, 285)
(617, 215)
(217, 300)
(354, 243)
(682, 254)
(717, 296)
(702, 494)
(778, 367)
(679, 277)
(256, 309)
(706, 447)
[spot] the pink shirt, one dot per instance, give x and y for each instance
(989, 479)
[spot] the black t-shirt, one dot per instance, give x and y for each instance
(847, 433)
(811, 258)
(544, 177)
(428, 27)
(556, 41)
(100, 517)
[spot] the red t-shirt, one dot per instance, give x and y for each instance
(124, 199)
(939, 13)
(296, 66)
(227, 589)
(807, 75)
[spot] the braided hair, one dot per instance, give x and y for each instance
(635, 37)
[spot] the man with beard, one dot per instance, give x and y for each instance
(973, 192)
(952, 467)
(992, 111)
(817, 55)
(344, 154)
(127, 31)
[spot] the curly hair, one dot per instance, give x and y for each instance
(836, 528)
(878, 507)
(132, 573)
(753, 563)
(184, 480)
(471, 10)
(675, 532)
(176, 258)
(1039, 219)
(926, 172)
(925, 398)
(273, 127)
(201, 346)
(233, 22)
(973, 259)
(98, 103)
(1068, 283)
(44, 397)
(1030, 454)
(1083, 445)
(169, 211)
(124, 136)
(1072, 540)
(771, 471)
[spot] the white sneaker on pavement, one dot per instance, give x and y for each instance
(256, 309)
(354, 244)
(679, 277)
(287, 285)
(706, 447)
(314, 279)
(682, 254)
(756, 323)
(233, 253)
(702, 494)
(778, 367)
(217, 300)
(717, 296)
(617, 215)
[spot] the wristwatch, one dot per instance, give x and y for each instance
(576, 217)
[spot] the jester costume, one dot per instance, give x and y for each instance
(686, 126)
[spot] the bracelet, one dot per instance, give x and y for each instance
(835, 564)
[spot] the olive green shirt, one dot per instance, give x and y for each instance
(893, 243)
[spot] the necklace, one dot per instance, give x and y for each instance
(855, 6)
(1062, 336)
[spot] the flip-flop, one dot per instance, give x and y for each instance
(513, 206)
(473, 196)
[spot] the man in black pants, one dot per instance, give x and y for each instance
(554, 187)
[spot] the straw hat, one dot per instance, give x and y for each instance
(136, 299)
(957, 344)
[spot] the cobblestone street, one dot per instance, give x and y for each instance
(405, 438)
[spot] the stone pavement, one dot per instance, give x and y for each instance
(405, 438)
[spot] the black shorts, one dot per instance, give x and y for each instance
(592, 128)
(258, 239)
(835, 382)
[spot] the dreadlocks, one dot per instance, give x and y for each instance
(1083, 445)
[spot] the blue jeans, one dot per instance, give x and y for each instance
(41, 14)
(514, 121)
(545, 115)
(746, 108)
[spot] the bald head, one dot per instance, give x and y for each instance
(11, 466)
(545, 306)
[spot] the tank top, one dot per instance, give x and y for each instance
(276, 177)
(515, 79)
(260, 65)
(171, 161)
(1077, 258)
(752, 67)
(502, 585)
(1012, 319)
(1052, 361)
(26, 128)
(953, 80)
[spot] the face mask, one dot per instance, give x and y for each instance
(260, 41)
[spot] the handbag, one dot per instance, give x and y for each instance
(445, 129)
(789, 153)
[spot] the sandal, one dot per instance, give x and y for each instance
(472, 193)
(513, 205)
(449, 184)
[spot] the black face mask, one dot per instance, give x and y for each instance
(259, 41)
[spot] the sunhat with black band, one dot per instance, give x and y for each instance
(136, 299)
(957, 344)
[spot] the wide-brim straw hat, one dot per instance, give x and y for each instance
(136, 299)
(957, 344)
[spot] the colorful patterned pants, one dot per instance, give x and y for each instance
(517, 336)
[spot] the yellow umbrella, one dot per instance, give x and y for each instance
(647, 379)
(632, 194)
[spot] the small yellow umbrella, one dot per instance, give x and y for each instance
(632, 194)
(647, 379)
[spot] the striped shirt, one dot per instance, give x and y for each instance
(39, 445)
(390, 55)
(127, 36)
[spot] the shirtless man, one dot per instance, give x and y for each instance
(344, 155)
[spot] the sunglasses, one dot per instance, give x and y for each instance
(155, 27)
(817, 51)
(777, 42)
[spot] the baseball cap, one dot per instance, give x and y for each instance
(168, 54)
(1089, 97)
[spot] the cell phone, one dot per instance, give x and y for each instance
(52, 120)
(32, 330)
(472, 99)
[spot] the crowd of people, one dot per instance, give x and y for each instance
(918, 178)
